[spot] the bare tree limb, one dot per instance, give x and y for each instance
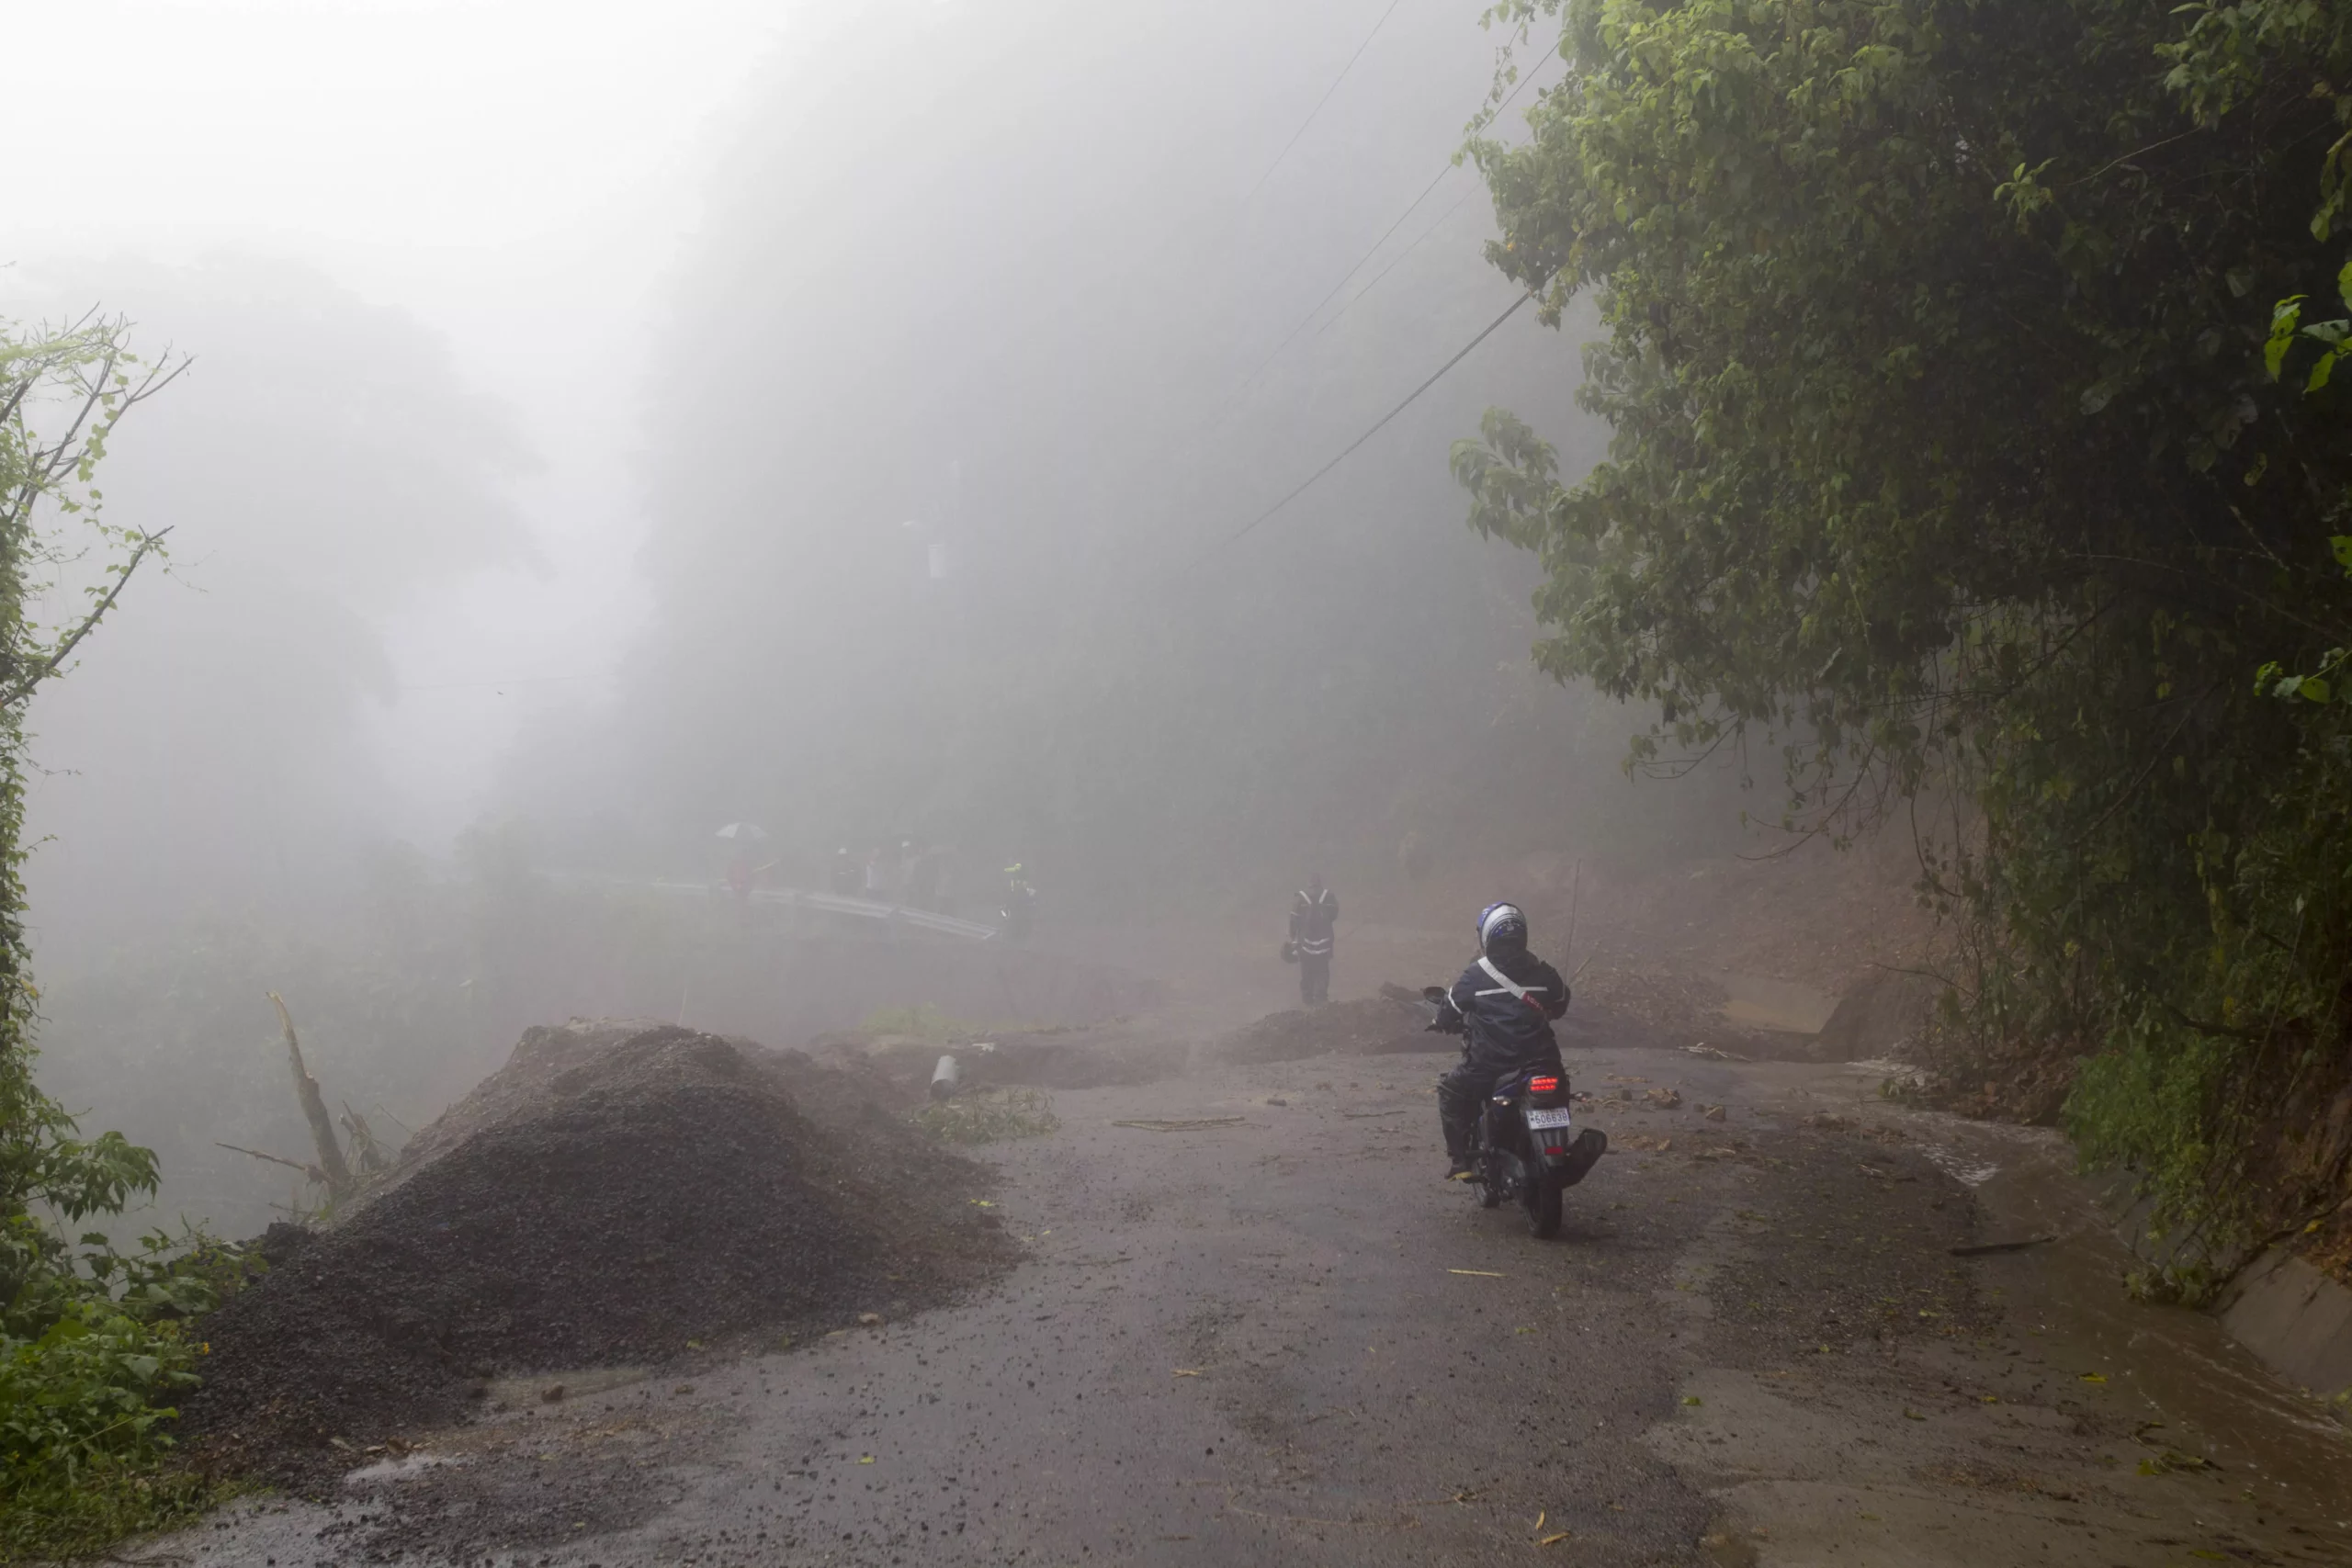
(314, 1110)
(64, 650)
(312, 1171)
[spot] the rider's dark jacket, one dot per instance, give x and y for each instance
(1506, 1002)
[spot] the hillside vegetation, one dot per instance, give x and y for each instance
(1977, 441)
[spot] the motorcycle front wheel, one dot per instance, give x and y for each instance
(1490, 1177)
(1540, 1196)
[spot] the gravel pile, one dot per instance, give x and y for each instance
(614, 1192)
(1371, 1026)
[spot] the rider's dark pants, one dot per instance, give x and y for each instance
(1459, 1094)
(1313, 978)
(1462, 1095)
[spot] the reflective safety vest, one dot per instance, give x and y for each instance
(1311, 923)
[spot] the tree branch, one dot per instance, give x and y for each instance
(312, 1171)
(48, 667)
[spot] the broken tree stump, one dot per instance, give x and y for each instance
(315, 1111)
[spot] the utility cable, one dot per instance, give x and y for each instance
(1341, 314)
(1308, 483)
(516, 681)
(1291, 337)
(1374, 249)
(1326, 98)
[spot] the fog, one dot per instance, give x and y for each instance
(607, 423)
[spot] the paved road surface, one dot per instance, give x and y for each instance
(1286, 1340)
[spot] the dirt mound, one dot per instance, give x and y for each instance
(1372, 1026)
(613, 1193)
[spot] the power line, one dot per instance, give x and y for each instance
(1326, 98)
(1308, 483)
(1291, 337)
(1374, 249)
(518, 681)
(1341, 314)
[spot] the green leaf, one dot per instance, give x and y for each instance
(2313, 690)
(2321, 371)
(2285, 316)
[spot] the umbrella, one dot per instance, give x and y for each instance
(743, 830)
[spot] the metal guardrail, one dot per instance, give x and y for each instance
(841, 904)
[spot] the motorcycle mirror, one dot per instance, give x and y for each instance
(1432, 993)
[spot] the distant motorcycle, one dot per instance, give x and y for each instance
(1524, 1144)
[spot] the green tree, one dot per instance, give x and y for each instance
(1961, 454)
(89, 1344)
(62, 393)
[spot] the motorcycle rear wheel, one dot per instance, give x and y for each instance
(1541, 1198)
(1490, 1180)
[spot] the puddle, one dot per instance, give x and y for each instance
(1962, 1168)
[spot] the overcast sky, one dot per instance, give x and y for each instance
(517, 173)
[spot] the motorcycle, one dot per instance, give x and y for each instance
(1524, 1144)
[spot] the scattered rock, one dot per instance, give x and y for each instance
(1714, 1112)
(1664, 1099)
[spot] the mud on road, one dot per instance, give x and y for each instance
(1268, 1332)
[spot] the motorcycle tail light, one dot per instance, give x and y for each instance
(1543, 1086)
(1554, 1149)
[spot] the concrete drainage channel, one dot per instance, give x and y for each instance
(2280, 1319)
(2295, 1319)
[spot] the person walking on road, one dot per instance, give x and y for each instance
(1312, 920)
(1020, 911)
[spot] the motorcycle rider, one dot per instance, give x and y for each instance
(1505, 1003)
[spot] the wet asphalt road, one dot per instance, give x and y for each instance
(1285, 1339)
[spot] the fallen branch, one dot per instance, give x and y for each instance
(1181, 1126)
(315, 1111)
(312, 1171)
(363, 1141)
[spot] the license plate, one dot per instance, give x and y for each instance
(1538, 1119)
